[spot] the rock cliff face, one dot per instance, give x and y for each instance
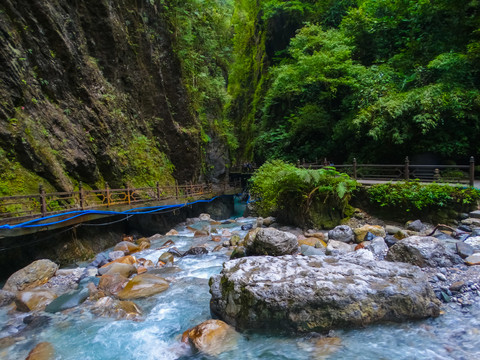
(92, 91)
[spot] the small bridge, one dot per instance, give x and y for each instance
(48, 211)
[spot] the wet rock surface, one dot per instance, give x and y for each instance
(212, 337)
(31, 276)
(302, 294)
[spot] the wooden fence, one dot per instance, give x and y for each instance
(461, 174)
(23, 207)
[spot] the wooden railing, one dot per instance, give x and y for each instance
(23, 207)
(462, 174)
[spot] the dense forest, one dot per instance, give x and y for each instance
(141, 90)
(371, 79)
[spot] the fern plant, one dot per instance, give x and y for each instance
(303, 197)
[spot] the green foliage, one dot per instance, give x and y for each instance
(143, 164)
(298, 194)
(202, 33)
(414, 196)
(357, 76)
(16, 180)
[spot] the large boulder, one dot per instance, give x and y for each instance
(423, 251)
(270, 241)
(212, 337)
(316, 293)
(31, 276)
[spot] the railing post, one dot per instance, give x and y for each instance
(158, 190)
(355, 168)
(129, 198)
(176, 190)
(43, 201)
(407, 168)
(472, 171)
(107, 191)
(81, 196)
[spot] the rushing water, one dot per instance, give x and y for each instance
(79, 335)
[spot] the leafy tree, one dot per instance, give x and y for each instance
(400, 76)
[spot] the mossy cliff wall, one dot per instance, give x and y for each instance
(92, 91)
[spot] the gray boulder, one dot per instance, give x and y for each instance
(270, 241)
(317, 293)
(423, 251)
(343, 233)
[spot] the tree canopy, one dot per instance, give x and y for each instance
(372, 79)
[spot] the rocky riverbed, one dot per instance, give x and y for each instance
(356, 291)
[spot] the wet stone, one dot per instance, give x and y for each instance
(43, 351)
(196, 250)
(127, 247)
(67, 301)
(166, 258)
(34, 300)
(143, 285)
(175, 252)
(31, 276)
(211, 337)
(114, 255)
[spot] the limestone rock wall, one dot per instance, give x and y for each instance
(82, 83)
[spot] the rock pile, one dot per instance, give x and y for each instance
(346, 277)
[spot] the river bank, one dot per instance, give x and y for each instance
(96, 330)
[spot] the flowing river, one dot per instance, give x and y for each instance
(77, 334)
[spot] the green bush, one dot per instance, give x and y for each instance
(413, 196)
(303, 197)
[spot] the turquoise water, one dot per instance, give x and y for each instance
(79, 335)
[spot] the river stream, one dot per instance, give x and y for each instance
(79, 335)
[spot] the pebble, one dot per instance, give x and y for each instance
(441, 277)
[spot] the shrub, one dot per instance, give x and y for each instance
(304, 197)
(412, 196)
